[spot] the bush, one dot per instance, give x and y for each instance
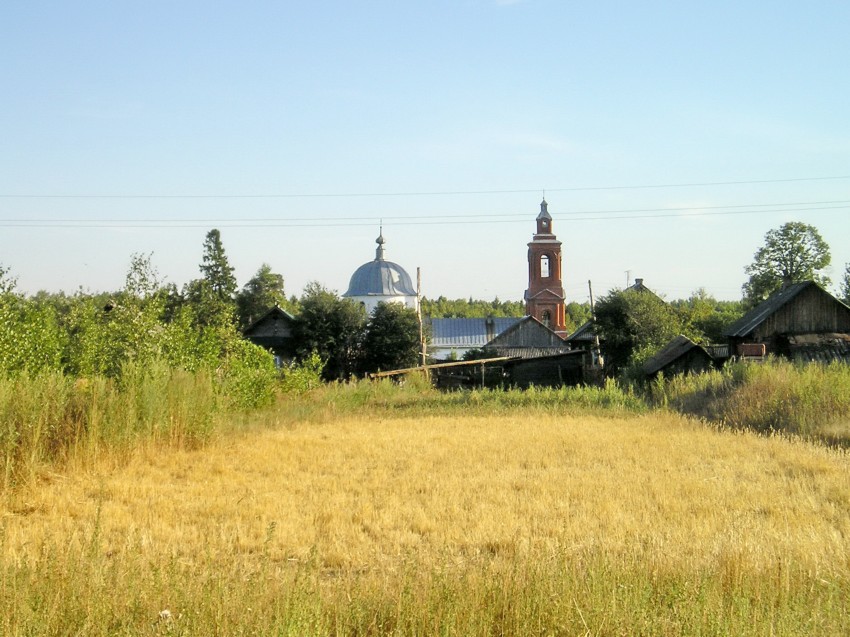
(301, 377)
(248, 375)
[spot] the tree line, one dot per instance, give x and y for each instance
(196, 327)
(199, 326)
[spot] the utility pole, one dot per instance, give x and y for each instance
(596, 353)
(419, 313)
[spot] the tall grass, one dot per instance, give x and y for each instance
(50, 418)
(811, 400)
(416, 396)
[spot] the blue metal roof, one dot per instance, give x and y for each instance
(467, 332)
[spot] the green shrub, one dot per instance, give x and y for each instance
(248, 375)
(302, 376)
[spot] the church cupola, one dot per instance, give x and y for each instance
(544, 219)
(379, 251)
(381, 281)
(545, 298)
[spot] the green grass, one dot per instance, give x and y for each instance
(415, 396)
(809, 400)
(83, 591)
(50, 419)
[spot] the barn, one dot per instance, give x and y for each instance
(802, 321)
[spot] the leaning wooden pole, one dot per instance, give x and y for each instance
(422, 352)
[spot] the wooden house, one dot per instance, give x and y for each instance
(273, 331)
(793, 323)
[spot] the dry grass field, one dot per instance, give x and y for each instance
(518, 523)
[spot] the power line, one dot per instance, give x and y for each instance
(524, 216)
(422, 193)
(400, 221)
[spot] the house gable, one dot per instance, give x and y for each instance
(273, 331)
(801, 308)
(528, 333)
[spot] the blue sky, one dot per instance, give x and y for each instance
(295, 128)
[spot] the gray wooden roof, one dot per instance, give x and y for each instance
(679, 346)
(272, 314)
(583, 333)
(752, 319)
(528, 332)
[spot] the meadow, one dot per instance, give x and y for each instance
(369, 509)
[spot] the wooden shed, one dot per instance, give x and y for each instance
(553, 370)
(679, 356)
(800, 309)
(273, 331)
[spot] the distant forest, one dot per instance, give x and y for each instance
(441, 307)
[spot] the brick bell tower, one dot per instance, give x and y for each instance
(544, 298)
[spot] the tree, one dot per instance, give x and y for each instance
(392, 339)
(213, 296)
(142, 278)
(792, 253)
(706, 317)
(216, 269)
(845, 285)
(577, 315)
(262, 292)
(632, 326)
(7, 281)
(29, 338)
(331, 327)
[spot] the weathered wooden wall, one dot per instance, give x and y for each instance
(811, 312)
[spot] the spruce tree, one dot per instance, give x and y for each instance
(217, 271)
(213, 297)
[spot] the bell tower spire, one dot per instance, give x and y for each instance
(545, 298)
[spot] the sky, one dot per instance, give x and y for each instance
(666, 137)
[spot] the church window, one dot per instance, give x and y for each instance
(546, 318)
(544, 266)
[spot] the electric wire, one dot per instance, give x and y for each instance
(343, 222)
(421, 193)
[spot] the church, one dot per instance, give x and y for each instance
(381, 281)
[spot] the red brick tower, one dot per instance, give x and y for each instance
(544, 298)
